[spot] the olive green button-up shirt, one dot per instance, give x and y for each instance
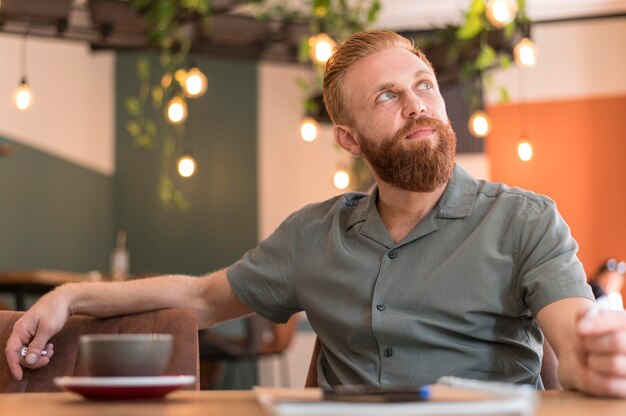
(458, 296)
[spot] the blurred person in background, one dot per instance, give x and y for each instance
(608, 281)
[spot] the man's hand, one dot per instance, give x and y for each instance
(33, 330)
(603, 343)
(211, 297)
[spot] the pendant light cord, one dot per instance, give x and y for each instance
(23, 58)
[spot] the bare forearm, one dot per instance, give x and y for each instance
(210, 297)
(102, 299)
(558, 322)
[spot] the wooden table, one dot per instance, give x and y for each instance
(36, 282)
(242, 403)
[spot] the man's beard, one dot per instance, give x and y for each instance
(416, 167)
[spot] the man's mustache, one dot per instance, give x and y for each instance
(420, 123)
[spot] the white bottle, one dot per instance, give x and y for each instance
(120, 258)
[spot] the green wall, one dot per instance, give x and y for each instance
(53, 213)
(57, 215)
(221, 222)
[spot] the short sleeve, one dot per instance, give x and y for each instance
(548, 267)
(265, 277)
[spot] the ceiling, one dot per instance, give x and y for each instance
(113, 24)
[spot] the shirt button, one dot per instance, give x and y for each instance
(392, 254)
(388, 352)
(380, 307)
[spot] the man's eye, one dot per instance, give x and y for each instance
(424, 85)
(385, 96)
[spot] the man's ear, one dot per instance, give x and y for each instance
(345, 138)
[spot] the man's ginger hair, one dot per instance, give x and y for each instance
(357, 46)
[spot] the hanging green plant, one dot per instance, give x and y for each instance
(479, 46)
(472, 48)
(171, 23)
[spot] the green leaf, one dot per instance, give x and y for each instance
(303, 84)
(487, 80)
(165, 190)
(132, 106)
(319, 78)
(467, 72)
(477, 7)
(144, 141)
(157, 96)
(169, 147)
(486, 58)
(199, 6)
(472, 27)
(311, 106)
(143, 69)
(203, 7)
(321, 7)
(372, 13)
(144, 89)
(179, 199)
(138, 4)
(133, 128)
(303, 49)
(166, 40)
(150, 128)
(505, 61)
(521, 7)
(509, 30)
(504, 94)
(166, 9)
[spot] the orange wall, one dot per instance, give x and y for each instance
(579, 161)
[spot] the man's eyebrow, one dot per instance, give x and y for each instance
(389, 85)
(382, 87)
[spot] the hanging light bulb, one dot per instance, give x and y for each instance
(195, 83)
(341, 179)
(309, 128)
(166, 80)
(180, 75)
(526, 52)
(501, 12)
(176, 110)
(186, 165)
(525, 150)
(321, 48)
(479, 124)
(23, 96)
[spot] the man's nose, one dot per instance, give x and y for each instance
(414, 106)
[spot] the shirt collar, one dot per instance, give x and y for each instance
(456, 202)
(458, 198)
(362, 205)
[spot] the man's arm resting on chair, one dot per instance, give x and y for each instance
(211, 297)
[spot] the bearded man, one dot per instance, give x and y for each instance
(433, 273)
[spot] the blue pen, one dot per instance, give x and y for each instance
(377, 395)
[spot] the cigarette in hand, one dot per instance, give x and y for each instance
(25, 348)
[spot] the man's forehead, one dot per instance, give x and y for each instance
(385, 61)
(384, 67)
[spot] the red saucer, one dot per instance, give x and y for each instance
(123, 388)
